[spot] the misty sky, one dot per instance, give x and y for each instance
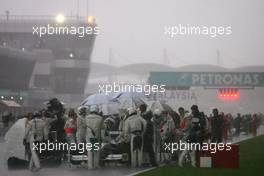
(134, 29)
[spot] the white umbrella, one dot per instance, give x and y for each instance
(130, 99)
(131, 102)
(110, 109)
(124, 95)
(159, 105)
(98, 99)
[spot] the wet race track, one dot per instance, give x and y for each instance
(64, 169)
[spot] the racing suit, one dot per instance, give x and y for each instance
(134, 129)
(94, 126)
(81, 129)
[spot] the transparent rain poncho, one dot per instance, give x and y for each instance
(14, 140)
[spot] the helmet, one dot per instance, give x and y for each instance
(94, 109)
(157, 112)
(82, 110)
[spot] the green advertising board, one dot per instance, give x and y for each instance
(208, 79)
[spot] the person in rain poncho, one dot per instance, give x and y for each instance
(167, 132)
(94, 127)
(157, 120)
(135, 127)
(185, 128)
(36, 132)
(14, 140)
(81, 124)
(123, 118)
(28, 118)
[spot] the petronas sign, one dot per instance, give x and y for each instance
(208, 79)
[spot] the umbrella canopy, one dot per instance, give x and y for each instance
(131, 102)
(124, 95)
(98, 99)
(110, 109)
(130, 99)
(160, 105)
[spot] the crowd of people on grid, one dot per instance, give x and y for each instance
(142, 132)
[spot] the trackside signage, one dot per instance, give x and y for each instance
(208, 79)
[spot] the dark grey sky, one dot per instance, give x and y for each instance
(134, 29)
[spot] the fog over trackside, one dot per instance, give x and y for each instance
(134, 29)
